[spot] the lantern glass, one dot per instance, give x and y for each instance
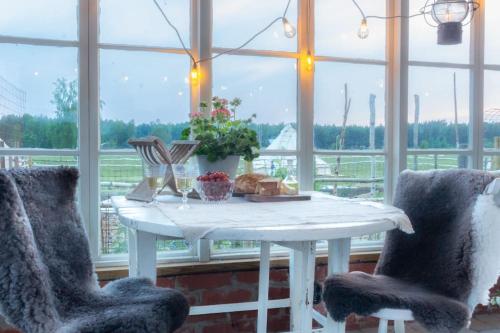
(446, 11)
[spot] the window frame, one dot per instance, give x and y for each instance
(397, 66)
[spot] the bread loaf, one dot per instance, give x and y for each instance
(247, 183)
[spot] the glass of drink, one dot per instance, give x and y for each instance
(185, 175)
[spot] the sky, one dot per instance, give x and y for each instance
(147, 86)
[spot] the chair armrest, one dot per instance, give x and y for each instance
(493, 188)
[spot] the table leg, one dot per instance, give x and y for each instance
(142, 254)
(302, 269)
(265, 252)
(338, 262)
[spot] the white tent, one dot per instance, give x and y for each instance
(286, 140)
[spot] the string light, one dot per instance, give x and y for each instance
(448, 14)
(195, 74)
(363, 30)
(309, 61)
(289, 30)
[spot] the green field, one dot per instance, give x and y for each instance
(120, 173)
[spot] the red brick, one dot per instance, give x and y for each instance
(247, 277)
(278, 293)
(222, 296)
(249, 315)
(279, 275)
(186, 329)
(218, 328)
(204, 281)
(207, 317)
(9, 330)
(166, 282)
(363, 267)
(320, 273)
(278, 324)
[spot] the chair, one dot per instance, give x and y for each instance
(47, 280)
(439, 274)
(155, 157)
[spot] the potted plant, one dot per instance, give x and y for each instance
(224, 139)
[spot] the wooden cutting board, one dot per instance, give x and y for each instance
(276, 198)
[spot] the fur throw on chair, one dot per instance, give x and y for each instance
(47, 281)
(442, 270)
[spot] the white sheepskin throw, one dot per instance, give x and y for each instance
(486, 251)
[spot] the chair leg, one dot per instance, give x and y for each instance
(382, 326)
(399, 326)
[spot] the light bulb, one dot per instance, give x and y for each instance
(363, 31)
(309, 62)
(289, 29)
(195, 74)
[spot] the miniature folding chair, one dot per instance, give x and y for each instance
(158, 158)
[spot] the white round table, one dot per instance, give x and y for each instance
(295, 225)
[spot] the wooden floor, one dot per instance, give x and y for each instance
(486, 323)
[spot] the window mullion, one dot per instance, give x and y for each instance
(477, 87)
(201, 43)
(305, 109)
(397, 95)
(83, 122)
(92, 143)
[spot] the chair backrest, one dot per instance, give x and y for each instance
(26, 300)
(60, 240)
(438, 255)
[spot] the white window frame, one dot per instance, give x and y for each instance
(397, 65)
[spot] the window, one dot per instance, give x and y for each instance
(144, 91)
(236, 21)
(77, 83)
(337, 27)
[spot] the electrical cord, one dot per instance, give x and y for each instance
(251, 39)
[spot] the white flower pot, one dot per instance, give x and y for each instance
(228, 165)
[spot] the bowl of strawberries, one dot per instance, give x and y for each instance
(215, 187)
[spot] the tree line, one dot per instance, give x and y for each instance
(43, 132)
(61, 131)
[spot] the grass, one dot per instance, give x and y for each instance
(119, 173)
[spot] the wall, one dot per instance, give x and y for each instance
(241, 286)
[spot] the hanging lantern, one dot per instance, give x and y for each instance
(450, 15)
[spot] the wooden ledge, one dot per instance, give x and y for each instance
(217, 266)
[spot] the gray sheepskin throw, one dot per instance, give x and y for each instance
(443, 270)
(47, 281)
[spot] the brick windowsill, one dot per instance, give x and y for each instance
(216, 266)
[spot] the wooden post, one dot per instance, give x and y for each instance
(457, 138)
(495, 165)
(415, 130)
(341, 137)
(372, 141)
(2, 158)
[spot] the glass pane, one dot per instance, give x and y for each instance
(38, 96)
(350, 176)
(492, 109)
(423, 40)
(10, 162)
(366, 92)
(267, 88)
(142, 94)
(276, 166)
(492, 42)
(492, 163)
(337, 26)
(51, 19)
(435, 161)
(137, 22)
(432, 108)
(236, 21)
(119, 175)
